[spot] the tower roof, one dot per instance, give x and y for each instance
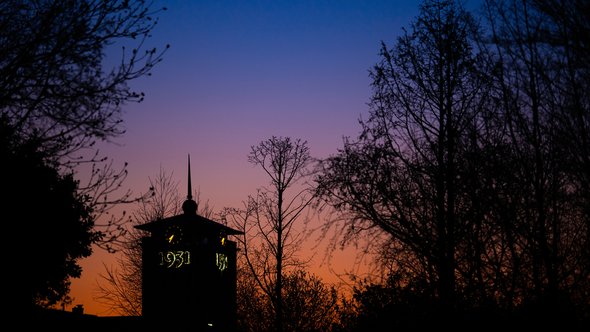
(194, 221)
(189, 217)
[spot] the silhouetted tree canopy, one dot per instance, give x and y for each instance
(50, 227)
(310, 304)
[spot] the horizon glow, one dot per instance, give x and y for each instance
(237, 73)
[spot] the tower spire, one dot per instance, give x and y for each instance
(189, 206)
(190, 195)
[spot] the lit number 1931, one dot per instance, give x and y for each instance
(175, 258)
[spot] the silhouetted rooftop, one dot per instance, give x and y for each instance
(188, 220)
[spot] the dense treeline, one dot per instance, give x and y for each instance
(474, 162)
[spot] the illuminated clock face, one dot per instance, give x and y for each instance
(173, 234)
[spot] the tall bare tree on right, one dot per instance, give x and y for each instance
(402, 180)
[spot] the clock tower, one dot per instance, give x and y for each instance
(189, 272)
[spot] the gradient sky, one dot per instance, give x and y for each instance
(237, 73)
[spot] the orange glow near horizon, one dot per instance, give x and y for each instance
(237, 73)
(85, 290)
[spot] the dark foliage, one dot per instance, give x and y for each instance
(402, 304)
(50, 225)
(310, 304)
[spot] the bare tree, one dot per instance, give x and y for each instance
(270, 242)
(402, 177)
(56, 88)
(472, 160)
(540, 48)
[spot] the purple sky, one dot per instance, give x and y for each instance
(237, 73)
